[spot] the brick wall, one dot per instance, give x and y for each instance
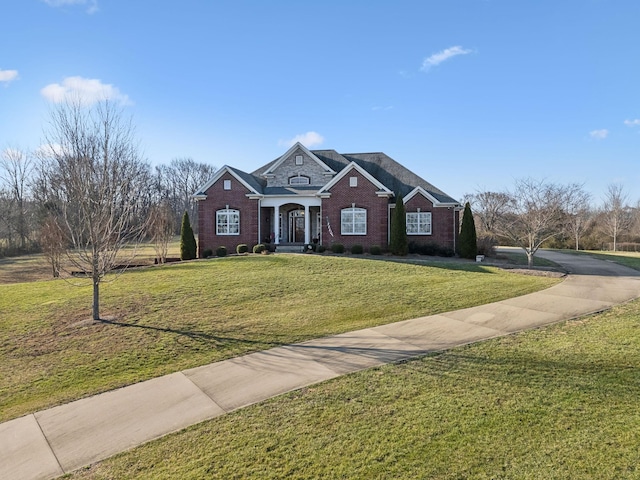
(443, 225)
(218, 199)
(363, 196)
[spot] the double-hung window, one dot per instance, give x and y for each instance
(227, 222)
(353, 221)
(418, 223)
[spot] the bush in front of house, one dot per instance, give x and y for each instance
(207, 253)
(357, 250)
(375, 250)
(221, 251)
(487, 245)
(259, 248)
(337, 248)
(321, 249)
(242, 248)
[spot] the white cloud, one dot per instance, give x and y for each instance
(309, 139)
(599, 134)
(632, 123)
(92, 5)
(48, 150)
(8, 76)
(86, 90)
(446, 54)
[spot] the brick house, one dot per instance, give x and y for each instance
(321, 196)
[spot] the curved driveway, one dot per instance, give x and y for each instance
(61, 439)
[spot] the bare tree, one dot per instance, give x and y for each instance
(534, 214)
(617, 217)
(161, 228)
(53, 244)
(579, 214)
(177, 182)
(488, 208)
(16, 168)
(94, 177)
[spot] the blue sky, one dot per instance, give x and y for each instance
(469, 94)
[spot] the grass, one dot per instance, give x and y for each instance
(629, 259)
(557, 402)
(520, 258)
(165, 319)
(32, 268)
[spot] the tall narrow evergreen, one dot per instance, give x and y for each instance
(398, 244)
(468, 245)
(188, 248)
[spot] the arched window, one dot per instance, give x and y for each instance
(353, 221)
(299, 180)
(228, 222)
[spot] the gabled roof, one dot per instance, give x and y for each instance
(382, 189)
(386, 170)
(382, 169)
(252, 183)
(274, 165)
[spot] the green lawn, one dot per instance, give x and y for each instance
(165, 319)
(630, 259)
(559, 402)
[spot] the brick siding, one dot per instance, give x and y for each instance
(218, 199)
(363, 196)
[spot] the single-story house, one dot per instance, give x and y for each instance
(321, 196)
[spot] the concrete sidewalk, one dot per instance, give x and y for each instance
(61, 439)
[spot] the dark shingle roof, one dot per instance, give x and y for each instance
(254, 181)
(385, 169)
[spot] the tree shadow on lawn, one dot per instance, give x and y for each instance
(203, 337)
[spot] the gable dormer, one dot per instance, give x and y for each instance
(298, 164)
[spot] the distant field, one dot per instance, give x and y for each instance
(167, 318)
(31, 268)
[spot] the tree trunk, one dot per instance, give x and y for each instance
(96, 298)
(529, 260)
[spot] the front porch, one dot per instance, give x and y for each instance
(291, 224)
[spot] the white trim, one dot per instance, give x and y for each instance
(352, 210)
(269, 172)
(428, 196)
(419, 213)
(227, 212)
(201, 195)
(382, 192)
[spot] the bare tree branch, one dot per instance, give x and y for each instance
(94, 182)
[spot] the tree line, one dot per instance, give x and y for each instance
(537, 213)
(33, 184)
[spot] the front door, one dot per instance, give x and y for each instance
(296, 226)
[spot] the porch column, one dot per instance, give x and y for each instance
(307, 226)
(276, 224)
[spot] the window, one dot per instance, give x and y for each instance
(299, 180)
(298, 159)
(227, 222)
(353, 221)
(353, 181)
(227, 185)
(418, 223)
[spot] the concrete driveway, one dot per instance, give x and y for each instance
(52, 442)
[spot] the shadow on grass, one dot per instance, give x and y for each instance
(194, 335)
